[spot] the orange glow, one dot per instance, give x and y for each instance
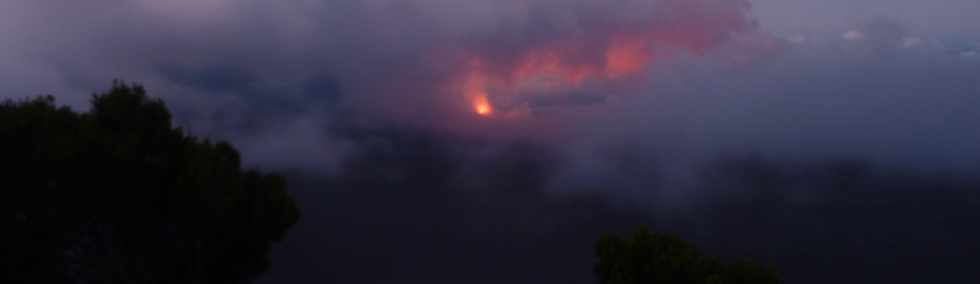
(627, 57)
(482, 107)
(552, 69)
(501, 84)
(475, 89)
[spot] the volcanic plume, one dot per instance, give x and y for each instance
(491, 141)
(592, 53)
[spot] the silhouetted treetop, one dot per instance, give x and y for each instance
(118, 195)
(651, 258)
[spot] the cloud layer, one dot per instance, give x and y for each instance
(621, 105)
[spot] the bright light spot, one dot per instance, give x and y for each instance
(475, 89)
(482, 106)
(552, 68)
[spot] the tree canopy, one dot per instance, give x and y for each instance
(651, 258)
(119, 195)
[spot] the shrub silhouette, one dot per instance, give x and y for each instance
(118, 195)
(651, 258)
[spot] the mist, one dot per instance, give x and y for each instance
(825, 138)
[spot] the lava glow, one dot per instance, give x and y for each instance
(627, 57)
(548, 70)
(475, 90)
(482, 106)
(500, 83)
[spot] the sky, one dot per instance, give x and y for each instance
(619, 111)
(944, 16)
(241, 69)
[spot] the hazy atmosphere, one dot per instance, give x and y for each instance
(477, 141)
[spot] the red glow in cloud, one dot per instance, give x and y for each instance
(623, 51)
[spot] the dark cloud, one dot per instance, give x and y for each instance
(401, 182)
(414, 207)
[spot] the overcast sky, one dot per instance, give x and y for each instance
(604, 86)
(942, 16)
(887, 81)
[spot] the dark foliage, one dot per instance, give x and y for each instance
(649, 258)
(118, 195)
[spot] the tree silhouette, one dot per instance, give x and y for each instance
(649, 258)
(118, 195)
